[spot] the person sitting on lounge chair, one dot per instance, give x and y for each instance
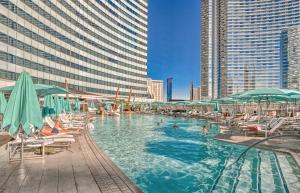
(57, 127)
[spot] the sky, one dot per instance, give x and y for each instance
(174, 43)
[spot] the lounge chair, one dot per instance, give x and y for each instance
(71, 124)
(269, 129)
(51, 124)
(16, 146)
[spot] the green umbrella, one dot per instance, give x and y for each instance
(41, 89)
(108, 106)
(23, 109)
(92, 105)
(62, 104)
(266, 94)
(3, 103)
(216, 107)
(57, 105)
(48, 106)
(76, 105)
(122, 107)
(68, 107)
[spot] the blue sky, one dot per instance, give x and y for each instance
(174, 43)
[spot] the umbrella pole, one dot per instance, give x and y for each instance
(22, 147)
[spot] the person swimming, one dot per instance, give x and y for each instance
(175, 126)
(205, 129)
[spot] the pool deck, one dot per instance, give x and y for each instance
(82, 168)
(278, 145)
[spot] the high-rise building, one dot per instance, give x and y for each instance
(98, 46)
(169, 89)
(155, 89)
(213, 15)
(197, 93)
(293, 58)
(241, 44)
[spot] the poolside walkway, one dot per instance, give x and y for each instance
(83, 168)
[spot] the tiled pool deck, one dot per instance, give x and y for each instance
(83, 168)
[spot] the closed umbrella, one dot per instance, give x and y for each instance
(3, 103)
(92, 105)
(108, 106)
(68, 107)
(57, 106)
(48, 106)
(122, 107)
(62, 104)
(23, 110)
(76, 105)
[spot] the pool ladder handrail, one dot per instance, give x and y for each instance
(221, 172)
(258, 142)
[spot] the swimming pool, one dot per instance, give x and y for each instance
(161, 159)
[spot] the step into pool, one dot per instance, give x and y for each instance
(162, 159)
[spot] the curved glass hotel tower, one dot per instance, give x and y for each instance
(97, 46)
(246, 44)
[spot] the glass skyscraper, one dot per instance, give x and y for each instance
(293, 58)
(248, 51)
(98, 46)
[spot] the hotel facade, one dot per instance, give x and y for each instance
(155, 89)
(97, 46)
(243, 45)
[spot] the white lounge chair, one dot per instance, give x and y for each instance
(270, 128)
(51, 124)
(18, 146)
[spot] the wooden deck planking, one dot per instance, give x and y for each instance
(32, 180)
(15, 180)
(49, 179)
(84, 168)
(83, 177)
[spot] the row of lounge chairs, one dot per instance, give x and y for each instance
(66, 127)
(246, 124)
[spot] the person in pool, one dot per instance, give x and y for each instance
(205, 129)
(175, 126)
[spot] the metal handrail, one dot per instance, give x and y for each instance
(256, 143)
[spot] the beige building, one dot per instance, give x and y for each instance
(155, 89)
(197, 94)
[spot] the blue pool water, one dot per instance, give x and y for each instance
(161, 159)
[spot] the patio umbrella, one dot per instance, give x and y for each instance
(57, 105)
(62, 104)
(3, 103)
(23, 109)
(48, 106)
(122, 107)
(92, 105)
(216, 107)
(108, 106)
(68, 107)
(76, 105)
(41, 89)
(266, 94)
